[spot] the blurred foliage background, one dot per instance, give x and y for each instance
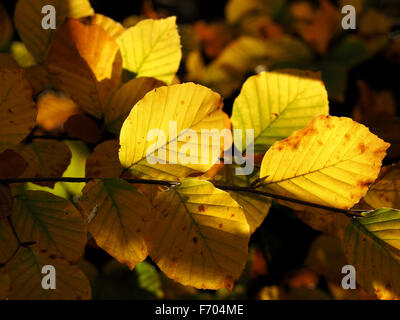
(224, 42)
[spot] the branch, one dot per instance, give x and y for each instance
(348, 213)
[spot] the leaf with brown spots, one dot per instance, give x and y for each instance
(372, 246)
(194, 238)
(25, 274)
(331, 162)
(385, 192)
(17, 109)
(45, 159)
(115, 212)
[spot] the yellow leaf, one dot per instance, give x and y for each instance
(25, 273)
(199, 235)
(21, 54)
(152, 48)
(194, 108)
(86, 63)
(45, 158)
(275, 104)
(115, 212)
(123, 99)
(255, 207)
(53, 222)
(385, 192)
(330, 162)
(113, 28)
(28, 21)
(372, 245)
(17, 110)
(54, 109)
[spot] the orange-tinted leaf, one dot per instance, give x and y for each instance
(86, 63)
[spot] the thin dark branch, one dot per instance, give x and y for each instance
(349, 213)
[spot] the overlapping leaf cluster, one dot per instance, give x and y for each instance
(108, 86)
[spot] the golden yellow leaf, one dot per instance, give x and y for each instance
(123, 99)
(194, 108)
(330, 162)
(45, 158)
(198, 236)
(54, 109)
(86, 63)
(372, 245)
(113, 28)
(17, 110)
(385, 192)
(115, 212)
(275, 104)
(25, 273)
(255, 207)
(52, 222)
(28, 21)
(152, 48)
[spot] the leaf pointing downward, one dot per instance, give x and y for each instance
(330, 162)
(199, 235)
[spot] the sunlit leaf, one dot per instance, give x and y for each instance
(86, 63)
(275, 104)
(21, 54)
(113, 28)
(17, 110)
(28, 21)
(115, 212)
(149, 279)
(151, 48)
(330, 162)
(194, 108)
(53, 222)
(199, 235)
(372, 245)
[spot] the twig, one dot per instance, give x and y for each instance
(349, 213)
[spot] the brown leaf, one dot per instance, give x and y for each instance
(12, 165)
(83, 128)
(6, 201)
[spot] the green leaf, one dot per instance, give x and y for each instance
(275, 104)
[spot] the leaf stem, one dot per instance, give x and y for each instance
(349, 213)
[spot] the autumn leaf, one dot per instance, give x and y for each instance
(255, 207)
(194, 108)
(86, 63)
(158, 52)
(199, 235)
(84, 128)
(6, 27)
(330, 162)
(385, 192)
(115, 212)
(45, 159)
(275, 104)
(52, 222)
(17, 110)
(28, 21)
(4, 285)
(372, 245)
(6, 201)
(25, 273)
(112, 27)
(120, 104)
(12, 164)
